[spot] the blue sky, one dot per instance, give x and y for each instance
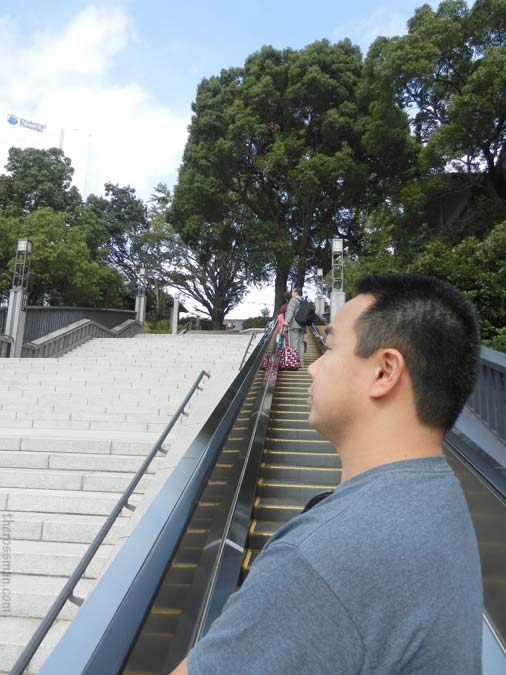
(119, 77)
(124, 73)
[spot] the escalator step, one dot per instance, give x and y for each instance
(278, 509)
(285, 421)
(290, 399)
(287, 444)
(261, 531)
(249, 559)
(287, 431)
(327, 459)
(300, 474)
(286, 414)
(172, 595)
(286, 489)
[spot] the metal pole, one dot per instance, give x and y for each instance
(140, 300)
(175, 313)
(18, 297)
(337, 296)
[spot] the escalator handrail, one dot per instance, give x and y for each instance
(67, 592)
(108, 652)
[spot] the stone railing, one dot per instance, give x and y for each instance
(5, 345)
(63, 340)
(488, 399)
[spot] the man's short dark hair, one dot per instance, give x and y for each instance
(435, 328)
(298, 290)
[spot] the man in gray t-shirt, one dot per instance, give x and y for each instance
(383, 575)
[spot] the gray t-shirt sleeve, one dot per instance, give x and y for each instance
(285, 619)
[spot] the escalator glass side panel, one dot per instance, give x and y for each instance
(488, 512)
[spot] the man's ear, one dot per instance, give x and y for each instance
(389, 366)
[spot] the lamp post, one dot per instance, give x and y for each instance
(337, 295)
(175, 313)
(18, 296)
(320, 300)
(140, 300)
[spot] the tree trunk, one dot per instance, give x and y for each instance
(218, 314)
(280, 284)
(301, 263)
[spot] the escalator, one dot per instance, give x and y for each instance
(269, 467)
(297, 462)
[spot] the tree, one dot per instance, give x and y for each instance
(477, 268)
(37, 178)
(61, 272)
(276, 147)
(117, 223)
(448, 72)
(211, 272)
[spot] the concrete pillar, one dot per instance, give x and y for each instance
(337, 300)
(140, 307)
(320, 305)
(16, 317)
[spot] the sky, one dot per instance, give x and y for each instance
(112, 83)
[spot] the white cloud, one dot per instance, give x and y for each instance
(113, 132)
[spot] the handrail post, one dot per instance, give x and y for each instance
(247, 350)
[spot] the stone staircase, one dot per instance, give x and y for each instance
(73, 431)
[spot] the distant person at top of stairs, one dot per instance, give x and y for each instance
(383, 575)
(281, 328)
(295, 330)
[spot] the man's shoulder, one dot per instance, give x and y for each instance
(387, 509)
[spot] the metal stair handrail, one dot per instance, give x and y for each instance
(5, 345)
(63, 340)
(67, 592)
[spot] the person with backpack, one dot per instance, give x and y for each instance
(296, 330)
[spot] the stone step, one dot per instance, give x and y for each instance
(78, 410)
(54, 559)
(15, 632)
(84, 425)
(32, 596)
(75, 480)
(60, 501)
(32, 441)
(73, 430)
(79, 529)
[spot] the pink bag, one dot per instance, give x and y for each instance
(288, 358)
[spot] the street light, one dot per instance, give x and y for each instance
(18, 296)
(22, 264)
(320, 302)
(140, 300)
(24, 246)
(337, 296)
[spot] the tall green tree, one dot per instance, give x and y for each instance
(37, 178)
(448, 72)
(275, 147)
(62, 271)
(116, 223)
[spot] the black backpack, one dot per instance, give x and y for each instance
(305, 313)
